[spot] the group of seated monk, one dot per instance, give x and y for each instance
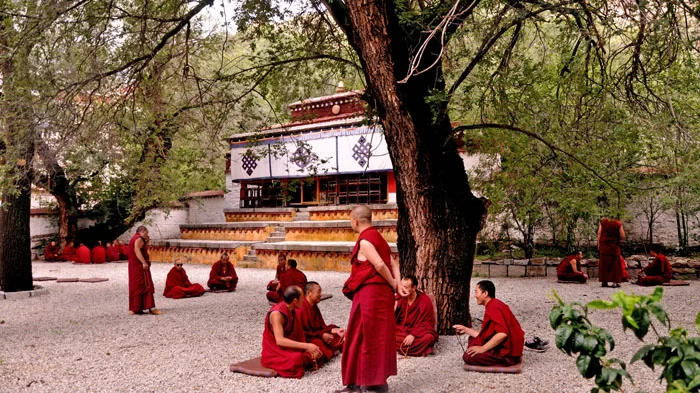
(222, 277)
(115, 251)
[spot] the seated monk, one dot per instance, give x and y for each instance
(569, 269)
(112, 252)
(328, 338)
(178, 285)
(501, 339)
(123, 250)
(291, 276)
(415, 321)
(281, 266)
(223, 275)
(99, 254)
(658, 271)
(284, 346)
(83, 254)
(69, 253)
(52, 253)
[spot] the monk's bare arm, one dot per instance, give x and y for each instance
(573, 265)
(277, 321)
(622, 232)
(495, 341)
(396, 271)
(368, 250)
(600, 229)
(137, 250)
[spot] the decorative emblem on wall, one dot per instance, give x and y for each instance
(303, 156)
(362, 151)
(249, 163)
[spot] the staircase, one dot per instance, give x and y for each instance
(277, 235)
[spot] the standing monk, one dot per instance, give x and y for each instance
(569, 269)
(223, 275)
(415, 321)
(369, 351)
(657, 272)
(178, 285)
(329, 338)
(141, 288)
(610, 235)
(52, 253)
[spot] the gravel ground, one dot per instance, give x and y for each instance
(79, 338)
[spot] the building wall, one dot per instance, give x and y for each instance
(206, 210)
(161, 224)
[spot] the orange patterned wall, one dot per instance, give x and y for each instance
(344, 214)
(260, 216)
(334, 234)
(205, 256)
(309, 260)
(242, 234)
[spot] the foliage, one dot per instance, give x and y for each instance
(677, 353)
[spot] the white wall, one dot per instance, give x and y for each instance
(161, 225)
(206, 210)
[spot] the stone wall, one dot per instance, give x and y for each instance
(206, 210)
(161, 224)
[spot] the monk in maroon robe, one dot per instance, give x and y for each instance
(83, 254)
(52, 253)
(329, 338)
(223, 275)
(569, 269)
(290, 276)
(415, 321)
(178, 285)
(69, 253)
(123, 250)
(141, 288)
(501, 339)
(112, 253)
(99, 254)
(281, 267)
(284, 346)
(658, 271)
(610, 235)
(369, 351)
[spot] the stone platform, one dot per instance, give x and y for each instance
(198, 251)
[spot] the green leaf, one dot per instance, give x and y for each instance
(694, 383)
(562, 335)
(697, 323)
(659, 312)
(602, 304)
(555, 317)
(588, 366)
(659, 356)
(657, 294)
(642, 352)
(630, 321)
(590, 343)
(690, 368)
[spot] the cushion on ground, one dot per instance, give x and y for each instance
(326, 296)
(569, 282)
(71, 279)
(253, 367)
(514, 369)
(94, 279)
(676, 283)
(43, 278)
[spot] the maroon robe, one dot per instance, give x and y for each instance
(566, 273)
(83, 255)
(178, 285)
(141, 288)
(112, 254)
(52, 253)
(498, 318)
(219, 270)
(99, 255)
(289, 277)
(657, 272)
(289, 363)
(315, 327)
(69, 254)
(610, 266)
(369, 351)
(123, 252)
(418, 320)
(272, 285)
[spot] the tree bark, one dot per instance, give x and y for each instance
(439, 217)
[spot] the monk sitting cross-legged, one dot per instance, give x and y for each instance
(657, 272)
(83, 254)
(69, 253)
(178, 285)
(291, 276)
(52, 253)
(223, 275)
(329, 338)
(99, 254)
(569, 269)
(284, 346)
(415, 321)
(281, 267)
(112, 252)
(501, 339)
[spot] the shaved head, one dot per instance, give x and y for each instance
(362, 213)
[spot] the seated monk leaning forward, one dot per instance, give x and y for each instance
(657, 272)
(290, 276)
(281, 267)
(329, 338)
(501, 339)
(178, 285)
(569, 269)
(223, 275)
(415, 321)
(52, 253)
(284, 346)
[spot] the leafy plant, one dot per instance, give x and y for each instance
(678, 353)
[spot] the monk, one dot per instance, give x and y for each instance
(281, 267)
(328, 338)
(52, 253)
(141, 288)
(610, 235)
(658, 271)
(569, 269)
(123, 250)
(501, 339)
(178, 285)
(112, 252)
(223, 275)
(415, 321)
(69, 253)
(290, 276)
(284, 346)
(83, 254)
(99, 254)
(369, 351)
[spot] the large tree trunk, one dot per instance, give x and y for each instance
(438, 215)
